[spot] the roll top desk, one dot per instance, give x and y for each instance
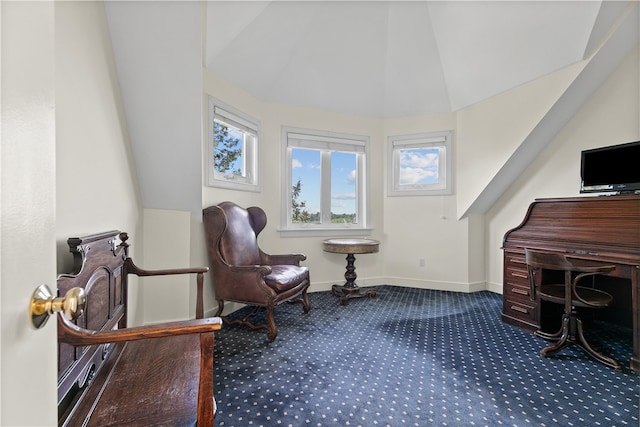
(588, 229)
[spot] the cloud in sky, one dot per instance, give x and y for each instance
(418, 167)
(417, 176)
(295, 163)
(343, 196)
(419, 159)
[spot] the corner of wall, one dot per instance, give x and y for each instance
(166, 244)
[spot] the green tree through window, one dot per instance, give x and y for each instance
(299, 213)
(228, 150)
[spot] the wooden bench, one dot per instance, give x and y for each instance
(111, 375)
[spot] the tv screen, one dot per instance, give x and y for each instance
(611, 169)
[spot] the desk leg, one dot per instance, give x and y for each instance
(350, 289)
(635, 298)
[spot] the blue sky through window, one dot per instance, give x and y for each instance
(419, 166)
(306, 167)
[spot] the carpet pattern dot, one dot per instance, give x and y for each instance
(415, 357)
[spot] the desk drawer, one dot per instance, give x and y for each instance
(516, 275)
(518, 293)
(515, 258)
(520, 310)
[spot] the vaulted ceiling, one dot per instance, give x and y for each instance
(397, 58)
(367, 57)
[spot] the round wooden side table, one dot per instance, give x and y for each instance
(351, 247)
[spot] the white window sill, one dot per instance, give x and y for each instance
(324, 232)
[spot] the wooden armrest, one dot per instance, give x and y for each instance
(131, 267)
(591, 270)
(134, 269)
(284, 259)
(72, 334)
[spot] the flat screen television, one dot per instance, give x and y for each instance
(613, 169)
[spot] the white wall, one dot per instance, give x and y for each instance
(326, 268)
(424, 226)
(492, 130)
(611, 116)
(96, 183)
(167, 243)
(158, 51)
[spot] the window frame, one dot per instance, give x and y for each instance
(326, 142)
(246, 123)
(425, 140)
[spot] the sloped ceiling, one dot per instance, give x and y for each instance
(396, 58)
(371, 58)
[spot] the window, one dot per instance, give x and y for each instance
(420, 164)
(325, 181)
(232, 155)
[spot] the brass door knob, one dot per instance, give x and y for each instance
(43, 304)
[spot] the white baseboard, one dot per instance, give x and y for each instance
(413, 283)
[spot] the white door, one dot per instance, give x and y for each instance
(27, 211)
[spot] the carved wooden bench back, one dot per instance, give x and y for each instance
(103, 365)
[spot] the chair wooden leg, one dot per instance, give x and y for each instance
(548, 336)
(572, 333)
(271, 325)
(220, 307)
(305, 302)
(564, 341)
(584, 345)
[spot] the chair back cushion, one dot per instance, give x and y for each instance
(239, 243)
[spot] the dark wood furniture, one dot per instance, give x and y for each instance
(112, 375)
(242, 272)
(602, 230)
(575, 290)
(351, 247)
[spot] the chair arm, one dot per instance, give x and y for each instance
(251, 279)
(588, 272)
(131, 267)
(282, 259)
(134, 269)
(72, 334)
(600, 269)
(258, 271)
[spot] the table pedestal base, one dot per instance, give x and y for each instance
(346, 292)
(351, 247)
(350, 289)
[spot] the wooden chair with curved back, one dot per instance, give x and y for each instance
(243, 273)
(571, 296)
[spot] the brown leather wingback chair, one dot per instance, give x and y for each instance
(243, 273)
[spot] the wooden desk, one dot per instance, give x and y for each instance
(351, 247)
(602, 229)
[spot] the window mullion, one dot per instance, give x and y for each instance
(325, 187)
(360, 193)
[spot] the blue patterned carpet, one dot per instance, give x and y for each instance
(414, 357)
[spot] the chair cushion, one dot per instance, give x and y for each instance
(285, 277)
